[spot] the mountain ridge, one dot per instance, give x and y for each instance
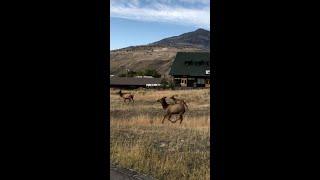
(199, 38)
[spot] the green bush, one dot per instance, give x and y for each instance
(132, 73)
(164, 83)
(140, 73)
(123, 75)
(167, 84)
(171, 85)
(147, 72)
(152, 72)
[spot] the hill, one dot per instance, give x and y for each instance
(158, 55)
(197, 39)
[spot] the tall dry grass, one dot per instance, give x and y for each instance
(166, 151)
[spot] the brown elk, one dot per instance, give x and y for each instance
(126, 96)
(172, 109)
(176, 100)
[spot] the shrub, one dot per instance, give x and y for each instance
(152, 72)
(167, 84)
(164, 83)
(147, 72)
(123, 75)
(171, 85)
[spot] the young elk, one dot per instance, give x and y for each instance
(172, 109)
(126, 96)
(176, 101)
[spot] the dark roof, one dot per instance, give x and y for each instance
(191, 64)
(132, 81)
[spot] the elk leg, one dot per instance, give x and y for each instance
(169, 118)
(132, 100)
(181, 118)
(172, 121)
(164, 118)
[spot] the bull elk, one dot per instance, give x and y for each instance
(126, 96)
(171, 109)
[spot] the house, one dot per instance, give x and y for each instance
(144, 77)
(191, 69)
(134, 82)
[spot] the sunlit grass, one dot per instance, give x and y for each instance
(165, 151)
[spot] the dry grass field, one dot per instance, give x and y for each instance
(141, 142)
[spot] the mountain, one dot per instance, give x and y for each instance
(158, 55)
(199, 39)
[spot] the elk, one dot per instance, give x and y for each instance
(126, 96)
(176, 100)
(172, 109)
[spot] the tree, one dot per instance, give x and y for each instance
(147, 72)
(140, 73)
(152, 72)
(128, 74)
(132, 73)
(164, 83)
(171, 85)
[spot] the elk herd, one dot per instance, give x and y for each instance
(178, 107)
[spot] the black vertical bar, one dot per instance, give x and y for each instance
(102, 76)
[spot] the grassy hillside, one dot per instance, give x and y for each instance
(138, 58)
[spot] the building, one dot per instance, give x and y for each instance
(191, 69)
(134, 82)
(144, 77)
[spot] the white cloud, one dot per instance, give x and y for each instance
(196, 1)
(160, 11)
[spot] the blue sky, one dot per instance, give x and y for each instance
(138, 22)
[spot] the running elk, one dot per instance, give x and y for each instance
(126, 96)
(172, 109)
